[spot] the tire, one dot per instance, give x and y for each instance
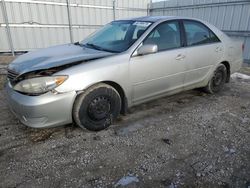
(96, 108)
(218, 80)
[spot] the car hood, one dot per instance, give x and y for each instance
(54, 57)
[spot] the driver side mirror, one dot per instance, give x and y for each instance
(147, 49)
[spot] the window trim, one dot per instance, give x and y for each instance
(209, 30)
(164, 22)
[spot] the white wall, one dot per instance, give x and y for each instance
(43, 23)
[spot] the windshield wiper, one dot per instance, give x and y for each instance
(99, 48)
(95, 46)
(77, 44)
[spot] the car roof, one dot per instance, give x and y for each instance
(154, 18)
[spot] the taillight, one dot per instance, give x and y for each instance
(243, 47)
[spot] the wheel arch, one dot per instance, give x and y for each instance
(227, 65)
(122, 94)
(117, 87)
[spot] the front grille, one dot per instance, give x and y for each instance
(11, 75)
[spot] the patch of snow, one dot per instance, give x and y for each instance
(172, 185)
(232, 151)
(238, 75)
(131, 128)
(245, 120)
(198, 174)
(127, 180)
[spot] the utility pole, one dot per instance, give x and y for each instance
(114, 7)
(7, 27)
(70, 21)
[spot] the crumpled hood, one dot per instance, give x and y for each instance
(54, 57)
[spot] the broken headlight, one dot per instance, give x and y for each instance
(39, 85)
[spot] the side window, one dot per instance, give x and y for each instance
(213, 37)
(197, 33)
(138, 32)
(165, 36)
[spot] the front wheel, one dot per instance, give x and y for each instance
(97, 107)
(218, 80)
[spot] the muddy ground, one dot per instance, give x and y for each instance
(191, 139)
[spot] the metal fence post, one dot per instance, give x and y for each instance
(70, 21)
(148, 9)
(114, 7)
(7, 27)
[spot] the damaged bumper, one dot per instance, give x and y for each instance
(47, 110)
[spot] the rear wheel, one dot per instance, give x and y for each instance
(218, 80)
(97, 107)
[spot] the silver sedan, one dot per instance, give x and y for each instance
(125, 63)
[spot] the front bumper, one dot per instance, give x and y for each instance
(47, 110)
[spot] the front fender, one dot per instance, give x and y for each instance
(82, 76)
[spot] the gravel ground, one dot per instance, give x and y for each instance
(191, 139)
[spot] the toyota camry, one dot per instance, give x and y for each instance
(125, 63)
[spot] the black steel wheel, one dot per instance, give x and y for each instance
(218, 80)
(96, 108)
(99, 108)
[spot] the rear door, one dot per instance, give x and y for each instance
(204, 50)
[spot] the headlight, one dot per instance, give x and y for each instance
(39, 85)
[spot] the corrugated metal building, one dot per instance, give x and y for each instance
(231, 16)
(40, 23)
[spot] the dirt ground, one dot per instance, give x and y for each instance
(191, 139)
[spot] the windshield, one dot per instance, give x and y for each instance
(116, 36)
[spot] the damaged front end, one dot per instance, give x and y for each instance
(32, 104)
(36, 82)
(45, 63)
(39, 81)
(33, 79)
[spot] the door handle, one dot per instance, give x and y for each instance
(180, 57)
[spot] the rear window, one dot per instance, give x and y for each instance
(197, 33)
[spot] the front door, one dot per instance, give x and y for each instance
(154, 74)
